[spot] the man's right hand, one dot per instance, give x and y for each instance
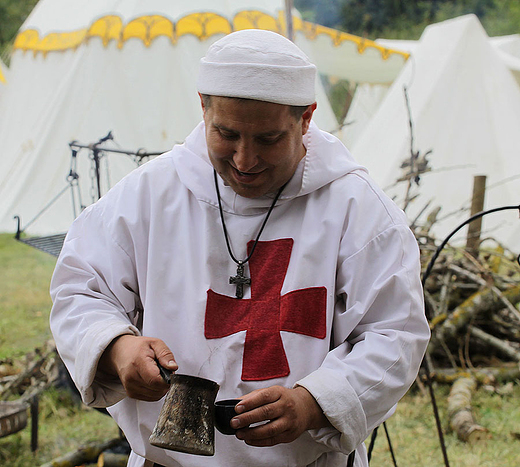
(132, 360)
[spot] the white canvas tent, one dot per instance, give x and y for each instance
(80, 69)
(465, 106)
(347, 56)
(508, 49)
(367, 99)
(369, 95)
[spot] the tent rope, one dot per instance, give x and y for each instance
(47, 206)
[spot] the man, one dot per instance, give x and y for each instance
(244, 256)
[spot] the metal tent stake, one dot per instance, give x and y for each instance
(425, 277)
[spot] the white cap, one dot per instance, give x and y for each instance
(260, 65)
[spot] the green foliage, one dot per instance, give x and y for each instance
(503, 19)
(374, 18)
(401, 19)
(340, 93)
(12, 15)
(324, 12)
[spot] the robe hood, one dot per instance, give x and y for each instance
(326, 160)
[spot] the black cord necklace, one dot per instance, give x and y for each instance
(240, 279)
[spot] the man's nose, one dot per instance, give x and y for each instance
(245, 157)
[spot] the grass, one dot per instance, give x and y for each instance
(415, 442)
(64, 424)
(24, 298)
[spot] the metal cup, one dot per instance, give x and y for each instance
(186, 420)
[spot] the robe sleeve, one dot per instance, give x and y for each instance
(382, 333)
(95, 299)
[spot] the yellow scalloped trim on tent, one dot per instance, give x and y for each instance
(58, 41)
(201, 25)
(147, 28)
(2, 77)
(256, 20)
(53, 42)
(108, 28)
(312, 31)
(26, 40)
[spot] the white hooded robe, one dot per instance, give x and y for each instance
(336, 265)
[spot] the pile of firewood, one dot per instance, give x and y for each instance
(472, 307)
(472, 304)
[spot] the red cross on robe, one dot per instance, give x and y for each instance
(267, 312)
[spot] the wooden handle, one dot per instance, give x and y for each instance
(166, 374)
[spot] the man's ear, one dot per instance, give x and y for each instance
(307, 117)
(202, 104)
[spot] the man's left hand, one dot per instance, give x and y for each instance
(285, 414)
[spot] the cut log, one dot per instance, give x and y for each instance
(488, 375)
(109, 459)
(482, 303)
(498, 344)
(483, 283)
(460, 413)
(86, 454)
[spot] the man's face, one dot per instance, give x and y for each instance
(255, 146)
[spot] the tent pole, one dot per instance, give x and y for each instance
(477, 205)
(97, 169)
(288, 19)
